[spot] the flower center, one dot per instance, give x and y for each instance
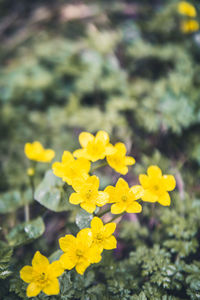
(124, 198)
(79, 253)
(99, 237)
(156, 187)
(88, 194)
(42, 279)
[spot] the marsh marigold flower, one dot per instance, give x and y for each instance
(187, 9)
(189, 26)
(88, 195)
(79, 251)
(118, 160)
(124, 198)
(71, 169)
(94, 147)
(35, 151)
(102, 234)
(156, 186)
(42, 276)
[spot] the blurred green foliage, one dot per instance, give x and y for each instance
(123, 67)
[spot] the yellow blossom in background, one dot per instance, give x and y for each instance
(94, 147)
(79, 251)
(102, 234)
(30, 172)
(187, 9)
(35, 151)
(88, 195)
(71, 169)
(118, 160)
(124, 198)
(189, 26)
(42, 276)
(156, 186)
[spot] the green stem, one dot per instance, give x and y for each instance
(115, 217)
(101, 214)
(27, 213)
(99, 166)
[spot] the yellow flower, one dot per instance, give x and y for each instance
(189, 26)
(102, 234)
(156, 186)
(30, 172)
(94, 147)
(79, 251)
(35, 151)
(42, 276)
(187, 9)
(124, 197)
(118, 160)
(71, 169)
(87, 194)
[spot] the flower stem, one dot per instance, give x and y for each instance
(103, 164)
(115, 217)
(101, 214)
(27, 213)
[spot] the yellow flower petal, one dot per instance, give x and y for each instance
(110, 243)
(85, 236)
(52, 288)
(129, 160)
(26, 273)
(154, 171)
(75, 199)
(48, 155)
(39, 261)
(94, 181)
(33, 290)
(67, 242)
(169, 182)
(121, 148)
(110, 149)
(94, 254)
(67, 157)
(109, 229)
(117, 208)
(102, 198)
(96, 225)
(122, 184)
(80, 153)
(89, 207)
(144, 180)
(149, 196)
(164, 199)
(187, 9)
(137, 191)
(85, 138)
(102, 136)
(82, 266)
(111, 191)
(135, 207)
(55, 269)
(67, 262)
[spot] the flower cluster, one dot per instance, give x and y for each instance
(188, 10)
(86, 247)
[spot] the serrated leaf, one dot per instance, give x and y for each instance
(50, 193)
(26, 232)
(83, 219)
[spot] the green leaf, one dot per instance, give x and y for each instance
(55, 255)
(50, 193)
(10, 201)
(26, 232)
(5, 256)
(83, 219)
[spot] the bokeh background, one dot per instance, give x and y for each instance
(121, 66)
